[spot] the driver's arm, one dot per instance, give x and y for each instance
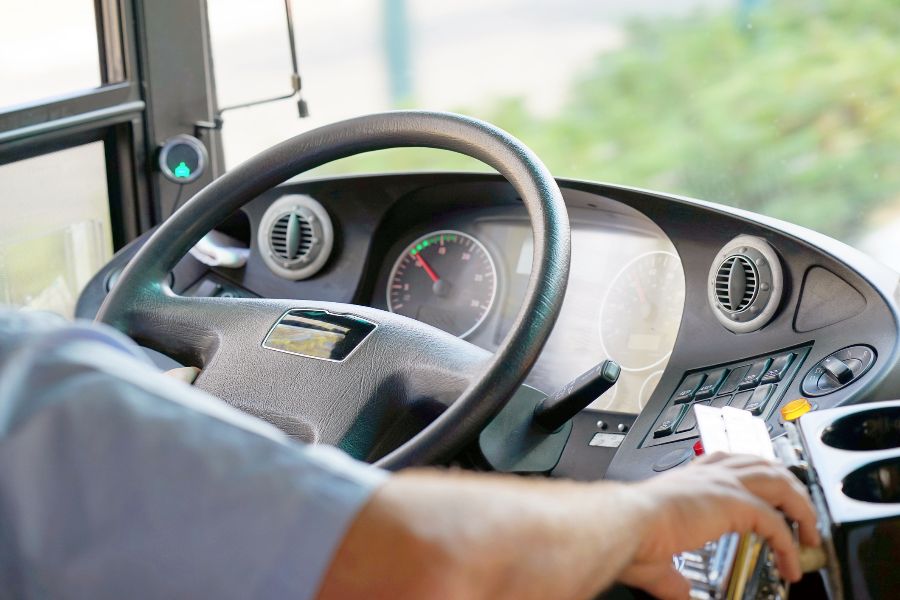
(437, 535)
(118, 482)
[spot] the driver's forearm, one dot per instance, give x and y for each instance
(443, 535)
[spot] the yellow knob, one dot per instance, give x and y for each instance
(795, 409)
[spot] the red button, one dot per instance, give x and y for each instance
(698, 448)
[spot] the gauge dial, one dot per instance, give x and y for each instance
(446, 279)
(642, 310)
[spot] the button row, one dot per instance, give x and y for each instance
(680, 418)
(718, 382)
(754, 386)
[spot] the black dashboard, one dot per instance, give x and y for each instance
(650, 287)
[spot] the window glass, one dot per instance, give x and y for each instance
(787, 108)
(47, 48)
(55, 233)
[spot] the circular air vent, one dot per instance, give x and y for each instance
(291, 237)
(745, 284)
(736, 283)
(295, 237)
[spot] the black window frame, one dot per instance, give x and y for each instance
(140, 102)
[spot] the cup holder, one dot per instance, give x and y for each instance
(877, 429)
(876, 482)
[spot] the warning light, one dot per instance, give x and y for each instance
(182, 171)
(182, 159)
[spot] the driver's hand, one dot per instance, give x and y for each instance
(717, 494)
(184, 374)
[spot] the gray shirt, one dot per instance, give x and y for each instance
(117, 482)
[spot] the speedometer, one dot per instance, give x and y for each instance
(446, 279)
(641, 314)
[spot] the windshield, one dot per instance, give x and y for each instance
(788, 108)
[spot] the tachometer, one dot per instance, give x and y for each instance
(446, 279)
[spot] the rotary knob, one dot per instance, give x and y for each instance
(838, 370)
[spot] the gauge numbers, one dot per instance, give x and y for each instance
(641, 312)
(446, 279)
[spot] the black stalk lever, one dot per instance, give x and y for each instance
(553, 412)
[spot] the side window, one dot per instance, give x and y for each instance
(56, 230)
(71, 135)
(32, 65)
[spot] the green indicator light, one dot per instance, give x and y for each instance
(419, 247)
(425, 243)
(182, 171)
(413, 252)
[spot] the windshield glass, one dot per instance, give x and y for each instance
(788, 108)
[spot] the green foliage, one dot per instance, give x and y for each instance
(791, 111)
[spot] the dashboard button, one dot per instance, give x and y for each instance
(672, 459)
(687, 389)
(756, 372)
(734, 379)
(778, 368)
(721, 401)
(711, 385)
(668, 421)
(757, 402)
(795, 409)
(690, 419)
(741, 399)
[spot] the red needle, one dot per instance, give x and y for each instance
(640, 288)
(428, 269)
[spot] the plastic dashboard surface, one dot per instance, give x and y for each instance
(638, 258)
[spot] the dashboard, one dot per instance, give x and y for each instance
(699, 304)
(688, 297)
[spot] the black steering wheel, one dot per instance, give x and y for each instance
(409, 394)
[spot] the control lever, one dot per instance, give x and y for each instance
(837, 370)
(555, 411)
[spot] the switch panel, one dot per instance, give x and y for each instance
(755, 384)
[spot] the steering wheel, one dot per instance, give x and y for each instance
(409, 393)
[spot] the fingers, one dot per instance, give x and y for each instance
(184, 374)
(764, 487)
(660, 580)
(766, 522)
(779, 488)
(775, 485)
(735, 461)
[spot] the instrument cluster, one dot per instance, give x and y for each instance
(624, 301)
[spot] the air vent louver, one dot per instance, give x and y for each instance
(295, 237)
(736, 283)
(291, 236)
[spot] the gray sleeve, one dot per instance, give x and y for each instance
(118, 482)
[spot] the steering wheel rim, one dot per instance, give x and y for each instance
(142, 289)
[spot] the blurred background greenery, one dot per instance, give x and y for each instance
(788, 108)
